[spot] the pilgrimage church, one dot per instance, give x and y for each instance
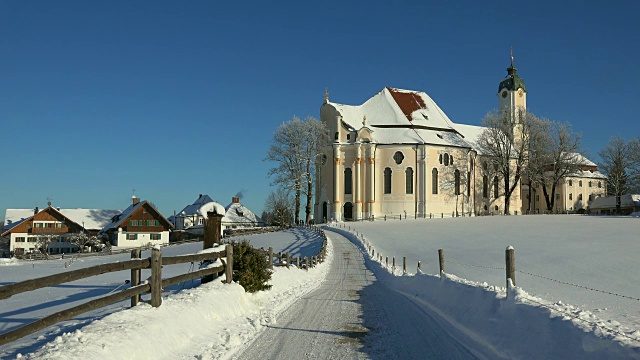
(400, 154)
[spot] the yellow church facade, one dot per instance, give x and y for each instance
(399, 155)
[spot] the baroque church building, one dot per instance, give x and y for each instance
(399, 154)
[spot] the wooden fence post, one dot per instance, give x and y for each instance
(229, 270)
(393, 267)
(441, 259)
(306, 262)
(298, 261)
(510, 259)
(419, 267)
(288, 259)
(156, 277)
(135, 277)
(270, 257)
(386, 261)
(404, 265)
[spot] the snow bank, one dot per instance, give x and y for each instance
(514, 323)
(212, 321)
(9, 262)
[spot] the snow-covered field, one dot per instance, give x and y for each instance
(237, 312)
(593, 260)
(540, 318)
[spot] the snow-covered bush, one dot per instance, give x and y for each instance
(251, 269)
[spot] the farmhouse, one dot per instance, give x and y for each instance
(140, 224)
(191, 218)
(399, 154)
(238, 216)
(25, 227)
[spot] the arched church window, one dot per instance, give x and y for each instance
(570, 182)
(409, 180)
(434, 181)
(580, 183)
(451, 159)
(485, 186)
(446, 159)
(440, 159)
(495, 187)
(456, 187)
(468, 183)
(387, 180)
(337, 135)
(398, 157)
(348, 181)
(570, 196)
(323, 159)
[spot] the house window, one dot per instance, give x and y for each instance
(557, 196)
(495, 187)
(155, 236)
(398, 157)
(20, 239)
(409, 180)
(591, 197)
(579, 197)
(537, 197)
(580, 183)
(599, 184)
(485, 186)
(434, 181)
(348, 183)
(132, 236)
(387, 180)
(201, 222)
(589, 183)
(456, 182)
(570, 196)
(570, 182)
(154, 222)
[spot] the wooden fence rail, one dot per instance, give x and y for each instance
(155, 286)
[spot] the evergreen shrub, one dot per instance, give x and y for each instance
(251, 269)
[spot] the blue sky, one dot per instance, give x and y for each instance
(175, 99)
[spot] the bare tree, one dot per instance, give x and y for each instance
(454, 180)
(278, 206)
(559, 155)
(81, 240)
(285, 151)
(315, 135)
(634, 176)
(616, 162)
(505, 146)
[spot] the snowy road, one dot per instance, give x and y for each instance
(354, 316)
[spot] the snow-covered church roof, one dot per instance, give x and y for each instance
(398, 116)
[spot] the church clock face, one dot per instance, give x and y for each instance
(520, 92)
(504, 94)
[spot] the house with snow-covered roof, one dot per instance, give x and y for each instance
(24, 227)
(239, 216)
(399, 153)
(141, 224)
(191, 219)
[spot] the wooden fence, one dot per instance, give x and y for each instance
(285, 259)
(155, 286)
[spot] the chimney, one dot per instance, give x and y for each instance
(199, 196)
(135, 200)
(35, 211)
(235, 199)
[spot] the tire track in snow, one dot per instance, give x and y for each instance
(353, 316)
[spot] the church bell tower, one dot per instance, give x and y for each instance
(512, 93)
